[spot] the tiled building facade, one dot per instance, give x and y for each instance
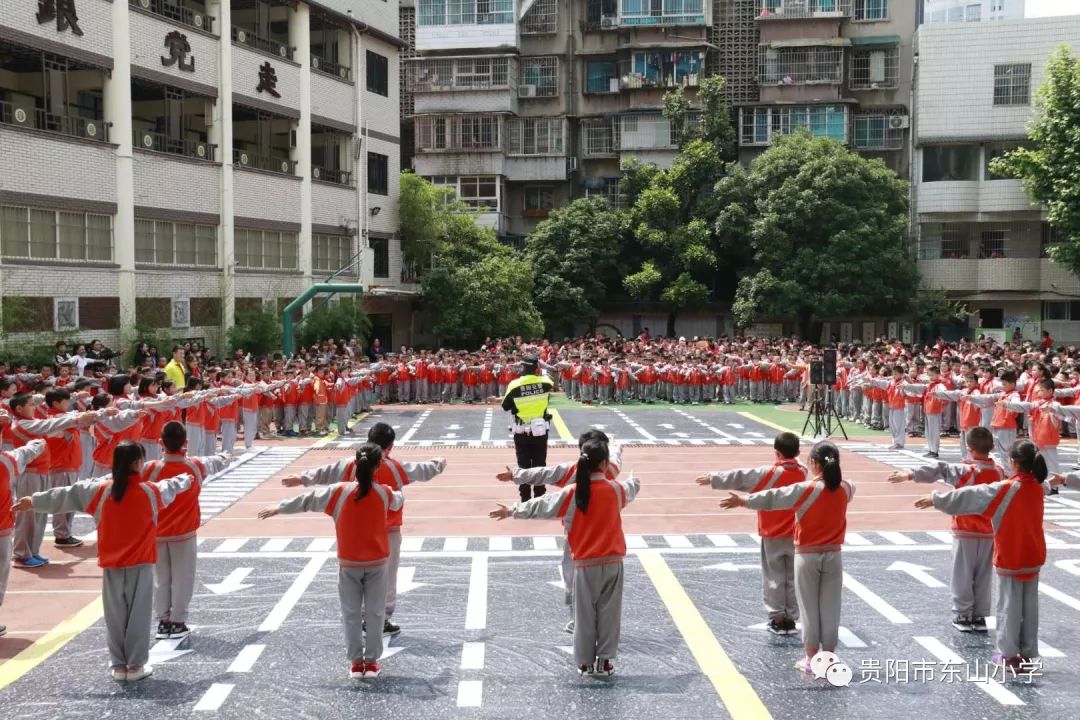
(167, 163)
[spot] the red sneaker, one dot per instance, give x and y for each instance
(605, 667)
(356, 671)
(372, 670)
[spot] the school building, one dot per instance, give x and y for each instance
(168, 163)
(978, 234)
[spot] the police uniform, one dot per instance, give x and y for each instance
(527, 398)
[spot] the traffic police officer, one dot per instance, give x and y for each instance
(527, 398)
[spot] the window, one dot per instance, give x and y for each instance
(601, 77)
(871, 9)
(541, 74)
(331, 253)
(661, 12)
(1061, 310)
(993, 151)
(378, 74)
(875, 69)
(973, 13)
(181, 312)
(870, 131)
(950, 163)
(457, 133)
(992, 244)
(1049, 238)
(539, 201)
(266, 249)
(801, 65)
(665, 69)
(599, 137)
(380, 249)
(479, 192)
(465, 12)
(542, 17)
(606, 188)
(759, 125)
(378, 177)
(51, 235)
(165, 243)
(1012, 84)
(536, 136)
(450, 74)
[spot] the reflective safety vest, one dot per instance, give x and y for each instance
(529, 396)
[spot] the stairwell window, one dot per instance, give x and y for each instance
(378, 74)
(331, 253)
(1012, 84)
(378, 176)
(380, 249)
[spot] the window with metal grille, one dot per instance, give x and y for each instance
(609, 191)
(803, 8)
(266, 249)
(599, 137)
(645, 132)
(331, 253)
(877, 131)
(463, 132)
(601, 76)
(801, 65)
(542, 17)
(664, 69)
(51, 235)
(159, 242)
(539, 201)
(480, 192)
(380, 250)
(661, 12)
(758, 126)
(541, 74)
(1012, 84)
(992, 244)
(449, 74)
(871, 10)
(536, 136)
(378, 74)
(875, 68)
(465, 12)
(378, 175)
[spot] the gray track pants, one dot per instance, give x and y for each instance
(1003, 442)
(819, 578)
(933, 433)
(597, 612)
(778, 577)
(363, 601)
(392, 563)
(128, 596)
(228, 435)
(5, 564)
(29, 526)
(1018, 617)
(61, 522)
(566, 569)
(174, 579)
(972, 573)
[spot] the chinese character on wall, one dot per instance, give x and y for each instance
(62, 11)
(267, 80)
(179, 49)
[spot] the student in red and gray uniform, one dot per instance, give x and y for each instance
(395, 476)
(12, 464)
(776, 528)
(174, 572)
(591, 510)
(1015, 510)
(973, 535)
(126, 510)
(360, 519)
(820, 506)
(560, 476)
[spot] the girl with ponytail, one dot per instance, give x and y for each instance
(820, 524)
(591, 513)
(360, 507)
(126, 509)
(1015, 510)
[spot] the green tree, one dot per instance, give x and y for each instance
(828, 229)
(711, 122)
(426, 211)
(1050, 170)
(344, 319)
(574, 256)
(256, 331)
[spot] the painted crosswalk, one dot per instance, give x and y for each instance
(553, 442)
(222, 490)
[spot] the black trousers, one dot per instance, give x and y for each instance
(531, 452)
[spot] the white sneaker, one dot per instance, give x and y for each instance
(144, 672)
(569, 627)
(119, 674)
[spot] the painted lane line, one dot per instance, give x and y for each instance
(1045, 651)
(722, 540)
(470, 693)
(472, 656)
(276, 545)
(416, 426)
(849, 639)
(854, 538)
(943, 536)
(896, 538)
(545, 542)
(1061, 597)
(476, 608)
(485, 434)
(678, 541)
(875, 601)
(500, 543)
(288, 601)
(231, 545)
(456, 544)
(321, 545)
(412, 544)
(636, 542)
(214, 697)
(1053, 540)
(246, 658)
(946, 655)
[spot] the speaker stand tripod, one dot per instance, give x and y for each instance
(822, 415)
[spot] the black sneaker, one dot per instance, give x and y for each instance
(164, 629)
(776, 626)
(3, 630)
(932, 455)
(390, 628)
(790, 628)
(978, 624)
(68, 542)
(963, 623)
(178, 631)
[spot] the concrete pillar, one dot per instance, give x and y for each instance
(300, 38)
(367, 277)
(221, 134)
(117, 93)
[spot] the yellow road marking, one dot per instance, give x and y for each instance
(755, 418)
(560, 425)
(733, 688)
(44, 647)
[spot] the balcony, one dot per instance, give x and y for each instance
(40, 119)
(971, 196)
(459, 134)
(465, 24)
(785, 66)
(188, 13)
(160, 142)
(803, 9)
(997, 275)
(269, 163)
(246, 36)
(661, 70)
(599, 138)
(328, 67)
(338, 177)
(663, 13)
(646, 133)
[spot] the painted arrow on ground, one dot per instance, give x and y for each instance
(449, 436)
(735, 425)
(165, 650)
(388, 650)
(918, 572)
(557, 583)
(1070, 566)
(232, 583)
(729, 567)
(453, 427)
(681, 435)
(405, 580)
(667, 426)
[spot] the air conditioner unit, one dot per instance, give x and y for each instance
(526, 91)
(198, 20)
(899, 122)
(148, 140)
(608, 22)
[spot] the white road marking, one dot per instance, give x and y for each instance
(412, 544)
(636, 541)
(246, 659)
(875, 601)
(231, 545)
(854, 538)
(678, 541)
(300, 585)
(896, 538)
(416, 426)
(545, 542)
(472, 656)
(276, 545)
(213, 698)
(946, 655)
(722, 540)
(470, 693)
(456, 544)
(500, 543)
(476, 608)
(321, 545)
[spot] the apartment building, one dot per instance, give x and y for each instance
(940, 11)
(979, 235)
(167, 163)
(840, 68)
